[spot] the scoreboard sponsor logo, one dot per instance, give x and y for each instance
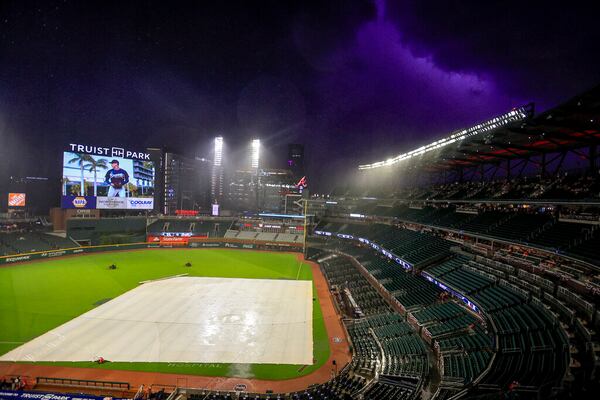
(108, 151)
(16, 199)
(111, 203)
(79, 202)
(107, 203)
(139, 204)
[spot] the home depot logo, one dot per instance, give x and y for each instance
(16, 199)
(79, 202)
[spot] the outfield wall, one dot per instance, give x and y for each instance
(217, 243)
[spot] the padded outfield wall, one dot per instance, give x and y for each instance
(231, 244)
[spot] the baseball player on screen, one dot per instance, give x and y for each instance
(117, 178)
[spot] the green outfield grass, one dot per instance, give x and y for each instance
(37, 297)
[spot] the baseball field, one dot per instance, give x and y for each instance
(64, 297)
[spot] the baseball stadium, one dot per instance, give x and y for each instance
(454, 290)
(152, 250)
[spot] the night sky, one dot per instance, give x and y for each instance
(355, 81)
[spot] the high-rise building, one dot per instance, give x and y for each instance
(143, 176)
(185, 184)
(268, 193)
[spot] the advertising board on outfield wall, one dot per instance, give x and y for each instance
(136, 246)
(66, 252)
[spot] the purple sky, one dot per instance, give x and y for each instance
(355, 81)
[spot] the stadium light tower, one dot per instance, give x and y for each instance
(254, 164)
(216, 189)
(218, 151)
(255, 153)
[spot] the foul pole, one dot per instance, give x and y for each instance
(305, 226)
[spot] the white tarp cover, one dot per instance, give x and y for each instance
(187, 319)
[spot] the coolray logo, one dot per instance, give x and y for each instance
(140, 203)
(146, 202)
(109, 151)
(79, 202)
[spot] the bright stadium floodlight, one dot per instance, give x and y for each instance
(218, 151)
(517, 114)
(255, 153)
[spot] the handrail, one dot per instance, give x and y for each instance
(82, 382)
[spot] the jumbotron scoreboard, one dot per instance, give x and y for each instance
(96, 177)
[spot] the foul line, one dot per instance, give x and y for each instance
(299, 268)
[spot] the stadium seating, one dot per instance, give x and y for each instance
(484, 222)
(521, 333)
(534, 229)
(246, 235)
(466, 366)
(557, 187)
(266, 236)
(387, 391)
(341, 272)
(587, 249)
(107, 230)
(412, 246)
(231, 233)
(193, 226)
(449, 323)
(29, 242)
(383, 338)
(520, 226)
(289, 238)
(524, 329)
(559, 235)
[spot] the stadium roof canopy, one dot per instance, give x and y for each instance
(517, 134)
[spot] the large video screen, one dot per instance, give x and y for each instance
(107, 178)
